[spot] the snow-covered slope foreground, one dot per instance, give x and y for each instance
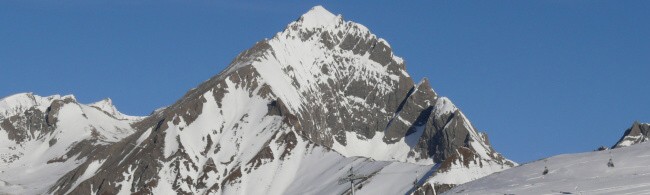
(584, 173)
(291, 115)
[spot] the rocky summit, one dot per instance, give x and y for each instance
(638, 133)
(320, 101)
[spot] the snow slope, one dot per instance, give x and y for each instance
(583, 173)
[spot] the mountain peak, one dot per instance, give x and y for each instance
(317, 17)
(639, 132)
(18, 103)
(323, 94)
(107, 106)
(108, 101)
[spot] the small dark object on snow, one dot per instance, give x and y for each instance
(545, 171)
(610, 163)
(602, 148)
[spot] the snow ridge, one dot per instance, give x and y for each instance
(21, 102)
(107, 106)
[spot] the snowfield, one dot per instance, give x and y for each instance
(582, 173)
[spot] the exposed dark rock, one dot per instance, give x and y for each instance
(58, 159)
(53, 111)
(289, 140)
(463, 156)
(232, 177)
(52, 142)
(277, 108)
(208, 146)
(265, 154)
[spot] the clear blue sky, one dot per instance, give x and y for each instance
(542, 78)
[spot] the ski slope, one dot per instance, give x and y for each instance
(582, 173)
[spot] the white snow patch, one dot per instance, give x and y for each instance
(444, 106)
(318, 17)
(171, 143)
(459, 174)
(142, 137)
(375, 147)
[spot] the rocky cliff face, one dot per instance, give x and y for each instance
(290, 115)
(639, 132)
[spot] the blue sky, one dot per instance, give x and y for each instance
(541, 77)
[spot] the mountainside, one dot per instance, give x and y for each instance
(639, 132)
(622, 170)
(42, 138)
(291, 115)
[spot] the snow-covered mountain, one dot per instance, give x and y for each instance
(622, 170)
(42, 138)
(639, 132)
(290, 115)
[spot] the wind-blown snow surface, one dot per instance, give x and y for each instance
(583, 173)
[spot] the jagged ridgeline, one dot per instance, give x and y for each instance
(638, 133)
(290, 115)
